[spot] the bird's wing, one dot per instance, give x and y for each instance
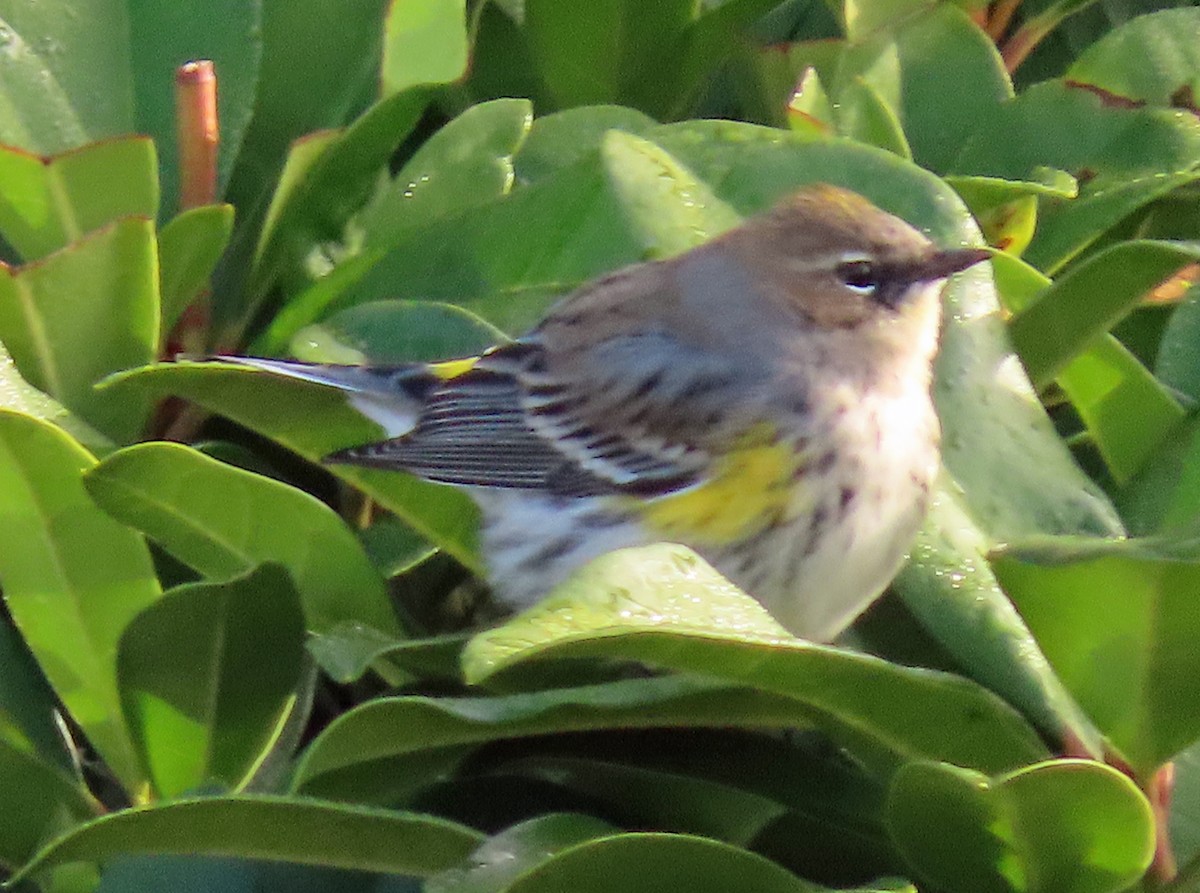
(515, 420)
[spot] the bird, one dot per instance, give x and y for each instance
(763, 399)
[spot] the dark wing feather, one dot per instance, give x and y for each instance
(475, 430)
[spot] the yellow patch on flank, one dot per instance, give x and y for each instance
(452, 368)
(751, 488)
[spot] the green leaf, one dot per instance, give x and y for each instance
(663, 605)
(504, 857)
(349, 650)
(644, 180)
(73, 578)
(86, 311)
(28, 709)
(1089, 299)
(564, 138)
(1128, 413)
(222, 521)
(1178, 363)
(18, 395)
(73, 74)
(336, 178)
(912, 64)
(41, 801)
(208, 674)
(666, 862)
(1123, 157)
(467, 162)
(329, 181)
(48, 203)
(307, 832)
(284, 410)
(1150, 58)
(294, 100)
(864, 115)
(400, 732)
(188, 250)
(1067, 826)
(950, 589)
(1116, 620)
(423, 43)
(396, 332)
(604, 52)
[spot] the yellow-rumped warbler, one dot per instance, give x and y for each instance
(763, 399)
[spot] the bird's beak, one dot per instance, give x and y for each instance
(941, 264)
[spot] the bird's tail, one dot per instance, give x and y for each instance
(391, 396)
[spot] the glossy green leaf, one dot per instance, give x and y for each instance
(1178, 362)
(294, 100)
(349, 650)
(644, 180)
(1064, 825)
(222, 521)
(1127, 411)
(18, 395)
(401, 730)
(308, 832)
(86, 311)
(28, 709)
(393, 547)
(188, 250)
(864, 115)
(667, 862)
(208, 674)
(604, 52)
(72, 74)
(424, 42)
(661, 798)
(1116, 620)
(284, 410)
(1165, 493)
(1123, 157)
(330, 183)
(41, 801)
(48, 203)
(504, 857)
(664, 606)
(949, 587)
(73, 578)
(911, 64)
(1006, 210)
(468, 162)
(1129, 414)
(335, 181)
(396, 332)
(809, 110)
(564, 138)
(1089, 300)
(1151, 58)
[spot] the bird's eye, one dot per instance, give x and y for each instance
(859, 276)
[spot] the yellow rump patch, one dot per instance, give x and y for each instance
(452, 368)
(751, 488)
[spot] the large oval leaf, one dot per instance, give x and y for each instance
(665, 606)
(73, 578)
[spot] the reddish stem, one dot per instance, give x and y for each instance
(1001, 16)
(198, 131)
(1163, 868)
